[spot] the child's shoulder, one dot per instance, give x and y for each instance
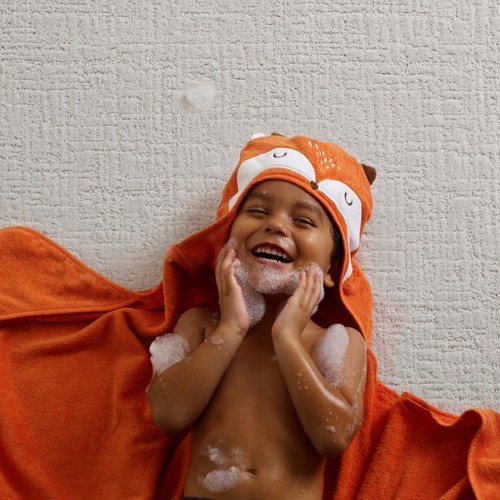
(336, 344)
(194, 315)
(196, 322)
(334, 335)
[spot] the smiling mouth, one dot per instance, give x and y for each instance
(271, 253)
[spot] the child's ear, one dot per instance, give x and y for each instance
(332, 273)
(328, 279)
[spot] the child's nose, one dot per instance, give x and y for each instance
(277, 225)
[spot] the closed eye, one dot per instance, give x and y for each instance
(256, 210)
(304, 221)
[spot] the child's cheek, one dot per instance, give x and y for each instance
(232, 242)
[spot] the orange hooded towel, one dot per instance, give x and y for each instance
(74, 416)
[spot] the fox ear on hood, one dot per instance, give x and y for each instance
(370, 173)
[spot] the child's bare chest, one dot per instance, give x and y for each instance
(254, 389)
(254, 380)
(252, 405)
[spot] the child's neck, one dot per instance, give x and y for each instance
(274, 303)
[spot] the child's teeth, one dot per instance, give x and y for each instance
(272, 251)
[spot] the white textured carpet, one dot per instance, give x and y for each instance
(108, 146)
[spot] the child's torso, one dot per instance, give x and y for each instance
(249, 442)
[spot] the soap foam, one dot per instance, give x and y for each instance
(220, 458)
(231, 472)
(200, 96)
(330, 351)
(167, 350)
(220, 481)
(215, 455)
(269, 280)
(217, 340)
(254, 301)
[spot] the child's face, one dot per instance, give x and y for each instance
(281, 226)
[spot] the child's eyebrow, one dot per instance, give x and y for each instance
(258, 194)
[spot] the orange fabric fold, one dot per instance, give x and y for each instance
(74, 416)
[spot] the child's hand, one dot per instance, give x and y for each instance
(232, 306)
(299, 308)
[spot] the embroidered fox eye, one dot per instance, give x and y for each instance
(280, 155)
(348, 201)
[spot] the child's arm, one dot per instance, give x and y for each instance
(330, 413)
(179, 394)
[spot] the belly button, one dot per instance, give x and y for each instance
(253, 472)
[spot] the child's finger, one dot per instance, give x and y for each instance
(316, 284)
(226, 259)
(301, 286)
(220, 268)
(225, 271)
(312, 289)
(303, 290)
(220, 258)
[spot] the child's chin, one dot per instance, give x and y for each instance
(273, 280)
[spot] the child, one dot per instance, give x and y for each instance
(270, 394)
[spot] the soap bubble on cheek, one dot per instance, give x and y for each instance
(271, 281)
(254, 301)
(268, 280)
(167, 350)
